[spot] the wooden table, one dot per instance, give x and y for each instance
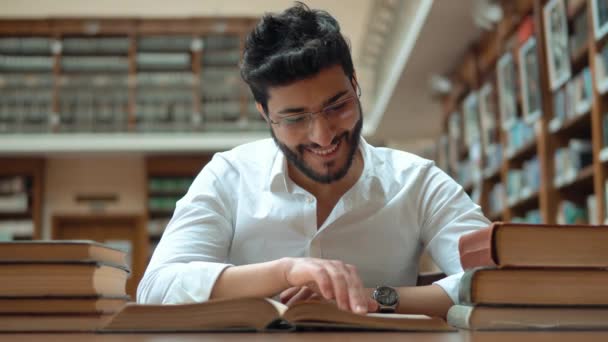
(461, 336)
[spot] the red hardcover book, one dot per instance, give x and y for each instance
(525, 30)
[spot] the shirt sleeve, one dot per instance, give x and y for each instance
(193, 250)
(447, 213)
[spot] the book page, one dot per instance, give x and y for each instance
(281, 308)
(397, 316)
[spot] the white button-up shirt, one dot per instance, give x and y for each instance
(243, 208)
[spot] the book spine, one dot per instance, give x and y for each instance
(476, 249)
(459, 316)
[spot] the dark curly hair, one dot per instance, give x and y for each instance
(292, 46)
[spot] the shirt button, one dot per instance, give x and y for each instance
(310, 199)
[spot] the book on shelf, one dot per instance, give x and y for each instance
(584, 92)
(570, 160)
(527, 318)
(579, 30)
(601, 70)
(496, 200)
(14, 203)
(505, 244)
(487, 113)
(530, 81)
(470, 109)
(12, 184)
(259, 314)
(97, 45)
(600, 24)
(573, 100)
(519, 135)
(534, 286)
(493, 159)
(523, 183)
(530, 217)
(569, 212)
(525, 30)
(25, 45)
(592, 209)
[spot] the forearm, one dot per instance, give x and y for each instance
(430, 300)
(255, 280)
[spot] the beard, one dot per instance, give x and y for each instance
(296, 157)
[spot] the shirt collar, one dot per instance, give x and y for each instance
(278, 181)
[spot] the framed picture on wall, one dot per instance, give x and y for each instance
(529, 81)
(507, 87)
(599, 10)
(558, 57)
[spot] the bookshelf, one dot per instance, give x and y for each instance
(168, 179)
(110, 75)
(21, 189)
(120, 231)
(544, 146)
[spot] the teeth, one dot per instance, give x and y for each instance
(325, 152)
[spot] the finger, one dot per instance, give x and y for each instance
(338, 272)
(315, 296)
(323, 282)
(303, 294)
(356, 292)
(288, 294)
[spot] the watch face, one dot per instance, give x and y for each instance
(386, 295)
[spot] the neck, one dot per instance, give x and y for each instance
(339, 187)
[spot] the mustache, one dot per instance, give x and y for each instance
(335, 140)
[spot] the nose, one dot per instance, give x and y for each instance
(321, 130)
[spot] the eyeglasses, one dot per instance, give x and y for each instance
(339, 110)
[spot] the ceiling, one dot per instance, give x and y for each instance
(412, 117)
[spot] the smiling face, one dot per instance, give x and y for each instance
(324, 150)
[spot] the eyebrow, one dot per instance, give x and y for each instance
(327, 102)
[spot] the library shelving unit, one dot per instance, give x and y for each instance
(167, 180)
(539, 84)
(123, 75)
(21, 189)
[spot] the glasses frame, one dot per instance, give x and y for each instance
(310, 115)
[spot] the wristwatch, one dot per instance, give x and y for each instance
(387, 298)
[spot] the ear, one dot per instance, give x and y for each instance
(355, 83)
(260, 109)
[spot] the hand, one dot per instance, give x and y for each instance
(329, 279)
(298, 294)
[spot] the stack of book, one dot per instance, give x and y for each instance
(523, 276)
(60, 285)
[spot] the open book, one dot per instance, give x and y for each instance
(259, 314)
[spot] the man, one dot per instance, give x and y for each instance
(315, 211)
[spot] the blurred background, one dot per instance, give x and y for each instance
(109, 109)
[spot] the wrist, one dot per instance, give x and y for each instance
(283, 267)
(387, 298)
